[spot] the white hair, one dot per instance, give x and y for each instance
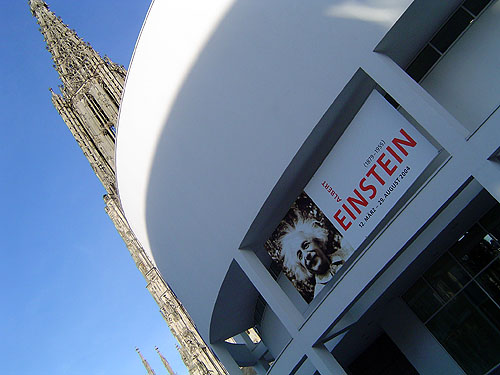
(291, 240)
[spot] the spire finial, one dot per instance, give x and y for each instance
(73, 59)
(165, 362)
(145, 363)
(35, 3)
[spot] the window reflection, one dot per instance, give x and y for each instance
(458, 297)
(423, 300)
(491, 222)
(447, 277)
(466, 332)
(475, 250)
(490, 280)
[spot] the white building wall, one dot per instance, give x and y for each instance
(467, 79)
(237, 125)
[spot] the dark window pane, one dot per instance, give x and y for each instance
(467, 333)
(484, 303)
(422, 63)
(491, 221)
(422, 300)
(391, 101)
(475, 250)
(490, 280)
(475, 6)
(451, 30)
(446, 277)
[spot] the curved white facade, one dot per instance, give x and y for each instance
(231, 106)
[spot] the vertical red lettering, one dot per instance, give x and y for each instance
(393, 153)
(385, 165)
(341, 220)
(349, 211)
(371, 171)
(361, 201)
(399, 143)
(367, 188)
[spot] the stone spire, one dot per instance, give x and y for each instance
(165, 362)
(91, 92)
(73, 68)
(145, 363)
(74, 60)
(89, 102)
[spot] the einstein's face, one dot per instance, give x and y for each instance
(315, 259)
(303, 248)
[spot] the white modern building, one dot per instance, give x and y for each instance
(385, 114)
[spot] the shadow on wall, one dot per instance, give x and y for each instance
(264, 79)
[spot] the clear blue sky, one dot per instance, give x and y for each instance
(72, 301)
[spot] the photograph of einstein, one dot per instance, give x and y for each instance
(308, 247)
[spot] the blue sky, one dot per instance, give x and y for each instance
(72, 300)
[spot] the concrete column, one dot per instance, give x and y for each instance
(226, 358)
(269, 289)
(324, 361)
(431, 115)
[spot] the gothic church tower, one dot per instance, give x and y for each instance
(89, 102)
(91, 91)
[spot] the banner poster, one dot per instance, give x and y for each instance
(368, 170)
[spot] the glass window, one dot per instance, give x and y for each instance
(490, 280)
(422, 63)
(475, 6)
(451, 30)
(458, 297)
(484, 304)
(475, 250)
(446, 276)
(422, 300)
(467, 332)
(491, 221)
